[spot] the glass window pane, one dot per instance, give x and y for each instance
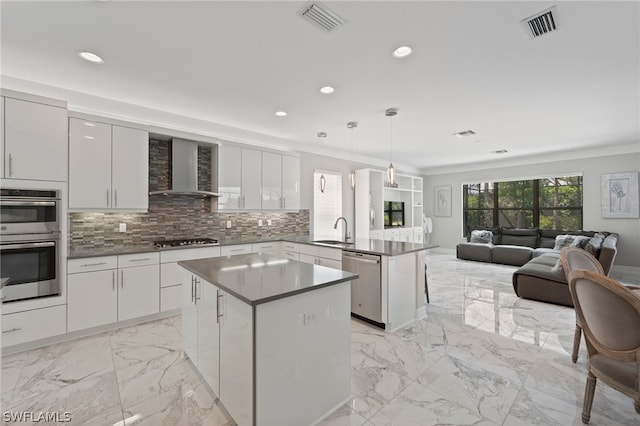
(515, 218)
(561, 219)
(561, 192)
(479, 196)
(516, 194)
(474, 219)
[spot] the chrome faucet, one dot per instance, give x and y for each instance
(347, 236)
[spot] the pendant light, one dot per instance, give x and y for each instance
(391, 172)
(323, 180)
(352, 176)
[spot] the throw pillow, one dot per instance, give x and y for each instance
(481, 236)
(557, 267)
(595, 244)
(580, 241)
(563, 240)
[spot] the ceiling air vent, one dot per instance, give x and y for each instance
(541, 23)
(321, 16)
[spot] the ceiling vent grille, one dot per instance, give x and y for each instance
(541, 23)
(321, 16)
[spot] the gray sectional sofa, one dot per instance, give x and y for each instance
(536, 252)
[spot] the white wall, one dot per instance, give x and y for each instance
(447, 231)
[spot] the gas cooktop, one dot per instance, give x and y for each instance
(185, 242)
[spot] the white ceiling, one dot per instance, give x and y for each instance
(236, 63)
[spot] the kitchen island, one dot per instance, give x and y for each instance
(270, 336)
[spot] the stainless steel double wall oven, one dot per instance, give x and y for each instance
(30, 243)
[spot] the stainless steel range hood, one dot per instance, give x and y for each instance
(184, 170)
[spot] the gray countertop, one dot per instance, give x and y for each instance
(380, 247)
(259, 278)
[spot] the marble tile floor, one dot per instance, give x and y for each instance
(481, 357)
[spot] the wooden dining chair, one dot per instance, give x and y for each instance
(610, 317)
(574, 258)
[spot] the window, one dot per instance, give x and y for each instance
(327, 206)
(546, 203)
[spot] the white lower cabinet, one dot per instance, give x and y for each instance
(92, 299)
(272, 247)
(235, 249)
(104, 290)
(138, 291)
(35, 324)
(217, 336)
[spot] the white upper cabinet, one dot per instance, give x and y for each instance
(109, 166)
(239, 178)
(35, 140)
(271, 181)
(249, 179)
(229, 177)
(291, 182)
(130, 168)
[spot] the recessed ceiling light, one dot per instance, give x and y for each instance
(402, 51)
(464, 133)
(281, 113)
(91, 57)
(327, 90)
(500, 151)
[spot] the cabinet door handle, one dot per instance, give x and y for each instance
(219, 304)
(193, 298)
(121, 278)
(11, 330)
(140, 260)
(236, 250)
(113, 280)
(10, 165)
(84, 265)
(197, 281)
(107, 197)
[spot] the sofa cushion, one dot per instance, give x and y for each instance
(511, 255)
(541, 267)
(548, 237)
(481, 236)
(474, 251)
(519, 237)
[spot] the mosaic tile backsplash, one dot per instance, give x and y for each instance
(175, 217)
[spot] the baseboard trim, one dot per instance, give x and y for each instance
(34, 344)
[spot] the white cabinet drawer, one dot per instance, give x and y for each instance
(291, 255)
(330, 263)
(90, 264)
(376, 234)
(236, 249)
(307, 259)
(271, 247)
(188, 254)
(31, 325)
(308, 249)
(330, 253)
(138, 259)
(170, 298)
(291, 247)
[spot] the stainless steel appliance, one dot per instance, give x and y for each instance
(29, 243)
(185, 242)
(366, 291)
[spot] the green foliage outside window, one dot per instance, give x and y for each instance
(548, 203)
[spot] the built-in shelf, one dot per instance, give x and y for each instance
(369, 211)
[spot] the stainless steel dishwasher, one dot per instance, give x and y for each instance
(366, 291)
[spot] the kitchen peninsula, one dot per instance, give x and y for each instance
(270, 335)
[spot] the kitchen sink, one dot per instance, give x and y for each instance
(333, 242)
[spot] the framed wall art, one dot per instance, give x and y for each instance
(442, 201)
(620, 196)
